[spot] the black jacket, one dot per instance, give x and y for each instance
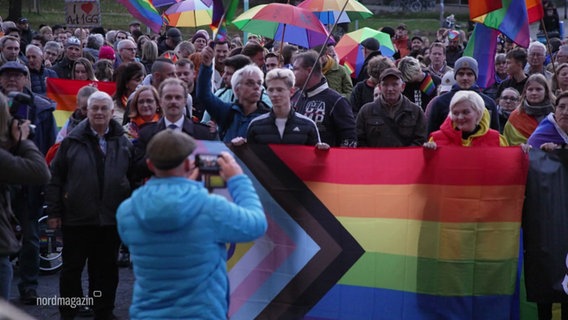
(196, 130)
(298, 130)
(64, 68)
(87, 186)
(331, 112)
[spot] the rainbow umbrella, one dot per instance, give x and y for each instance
(284, 22)
(325, 9)
(189, 13)
(350, 51)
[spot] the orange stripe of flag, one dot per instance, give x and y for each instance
(453, 204)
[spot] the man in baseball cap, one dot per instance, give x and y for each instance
(73, 51)
(370, 48)
(402, 123)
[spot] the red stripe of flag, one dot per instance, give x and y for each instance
(375, 168)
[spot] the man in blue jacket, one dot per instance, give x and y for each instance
(177, 232)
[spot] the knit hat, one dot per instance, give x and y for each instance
(106, 52)
(466, 63)
(371, 44)
(200, 34)
(174, 33)
(169, 148)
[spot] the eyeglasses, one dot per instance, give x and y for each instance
(130, 49)
(509, 98)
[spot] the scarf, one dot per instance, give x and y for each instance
(327, 66)
(139, 121)
(538, 110)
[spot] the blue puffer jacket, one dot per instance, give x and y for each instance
(176, 233)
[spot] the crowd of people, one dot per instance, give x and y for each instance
(170, 91)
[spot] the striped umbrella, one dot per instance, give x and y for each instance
(328, 10)
(284, 22)
(189, 13)
(350, 51)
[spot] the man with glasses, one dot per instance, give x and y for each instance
(51, 53)
(73, 51)
(536, 58)
(126, 52)
(232, 118)
(27, 202)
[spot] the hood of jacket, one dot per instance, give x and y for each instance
(450, 130)
(168, 204)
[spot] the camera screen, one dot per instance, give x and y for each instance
(207, 163)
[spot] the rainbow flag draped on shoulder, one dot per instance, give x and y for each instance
(381, 234)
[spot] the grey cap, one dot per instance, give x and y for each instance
(13, 65)
(168, 148)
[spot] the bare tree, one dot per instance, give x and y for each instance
(14, 10)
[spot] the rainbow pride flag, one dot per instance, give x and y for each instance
(482, 46)
(64, 93)
(402, 233)
(535, 10)
(220, 18)
(480, 7)
(144, 11)
(427, 86)
(511, 20)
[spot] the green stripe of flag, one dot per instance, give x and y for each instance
(436, 277)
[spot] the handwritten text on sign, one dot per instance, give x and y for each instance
(82, 13)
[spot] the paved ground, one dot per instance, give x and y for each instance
(49, 287)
